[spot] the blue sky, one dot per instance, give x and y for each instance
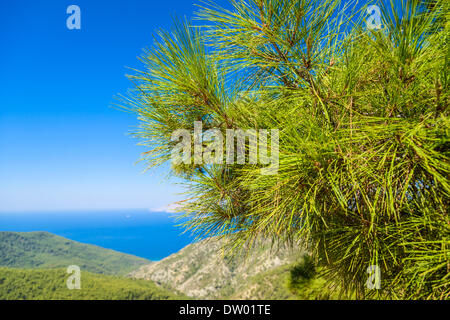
(62, 146)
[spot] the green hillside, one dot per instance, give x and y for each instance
(33, 266)
(19, 284)
(29, 250)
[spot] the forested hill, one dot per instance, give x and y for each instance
(19, 284)
(30, 250)
(33, 266)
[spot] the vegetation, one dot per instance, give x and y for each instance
(199, 270)
(268, 285)
(364, 133)
(277, 284)
(46, 250)
(51, 285)
(203, 271)
(306, 283)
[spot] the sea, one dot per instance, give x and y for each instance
(151, 235)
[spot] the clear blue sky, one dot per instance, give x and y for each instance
(62, 146)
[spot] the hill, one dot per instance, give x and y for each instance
(45, 250)
(33, 266)
(202, 271)
(51, 285)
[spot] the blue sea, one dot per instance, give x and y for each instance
(151, 235)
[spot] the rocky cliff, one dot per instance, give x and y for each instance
(204, 270)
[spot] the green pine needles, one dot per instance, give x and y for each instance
(363, 124)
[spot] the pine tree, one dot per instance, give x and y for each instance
(364, 133)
